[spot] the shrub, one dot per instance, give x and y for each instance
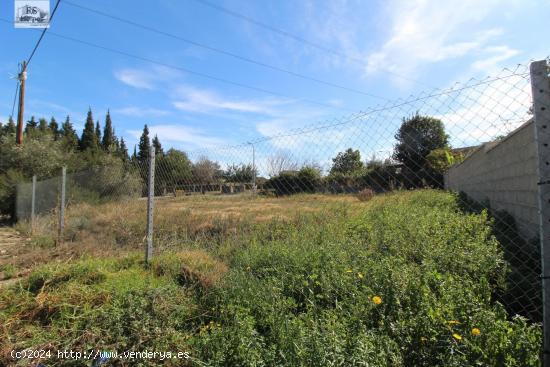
(365, 194)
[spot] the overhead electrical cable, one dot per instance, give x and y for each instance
(221, 51)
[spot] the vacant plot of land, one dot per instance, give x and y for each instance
(406, 279)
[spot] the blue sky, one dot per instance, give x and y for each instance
(392, 49)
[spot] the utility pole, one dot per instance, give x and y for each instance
(22, 78)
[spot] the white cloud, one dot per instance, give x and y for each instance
(498, 54)
(135, 111)
(145, 78)
(424, 32)
(181, 134)
(200, 100)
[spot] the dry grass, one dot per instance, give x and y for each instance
(118, 227)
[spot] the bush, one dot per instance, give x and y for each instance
(307, 179)
(365, 194)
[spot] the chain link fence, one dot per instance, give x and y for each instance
(393, 147)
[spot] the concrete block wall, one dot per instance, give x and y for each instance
(505, 174)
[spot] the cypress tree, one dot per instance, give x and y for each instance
(108, 141)
(54, 128)
(98, 132)
(158, 146)
(143, 147)
(68, 134)
(89, 137)
(122, 150)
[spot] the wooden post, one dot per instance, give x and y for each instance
(540, 86)
(22, 78)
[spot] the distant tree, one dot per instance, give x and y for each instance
(89, 137)
(54, 128)
(68, 135)
(42, 125)
(243, 173)
(280, 162)
(108, 143)
(31, 125)
(98, 132)
(347, 163)
(10, 128)
(122, 150)
(133, 158)
(158, 146)
(143, 146)
(416, 138)
(206, 171)
(173, 168)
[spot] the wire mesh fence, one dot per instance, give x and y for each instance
(417, 143)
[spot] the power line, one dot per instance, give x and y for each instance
(223, 52)
(14, 98)
(189, 71)
(43, 33)
(301, 39)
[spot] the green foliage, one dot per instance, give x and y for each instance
(89, 140)
(243, 173)
(403, 283)
(143, 146)
(68, 135)
(347, 163)
(53, 127)
(441, 159)
(307, 179)
(206, 171)
(108, 141)
(158, 147)
(416, 138)
(8, 183)
(305, 295)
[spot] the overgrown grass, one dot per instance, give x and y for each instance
(406, 279)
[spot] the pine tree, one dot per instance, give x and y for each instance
(134, 155)
(54, 128)
(10, 128)
(68, 134)
(98, 132)
(89, 137)
(158, 146)
(108, 141)
(144, 143)
(122, 150)
(42, 125)
(31, 125)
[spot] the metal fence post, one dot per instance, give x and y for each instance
(150, 202)
(62, 205)
(253, 168)
(540, 85)
(33, 203)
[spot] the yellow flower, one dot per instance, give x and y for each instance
(359, 275)
(457, 336)
(248, 268)
(377, 300)
(453, 322)
(423, 339)
(476, 331)
(349, 271)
